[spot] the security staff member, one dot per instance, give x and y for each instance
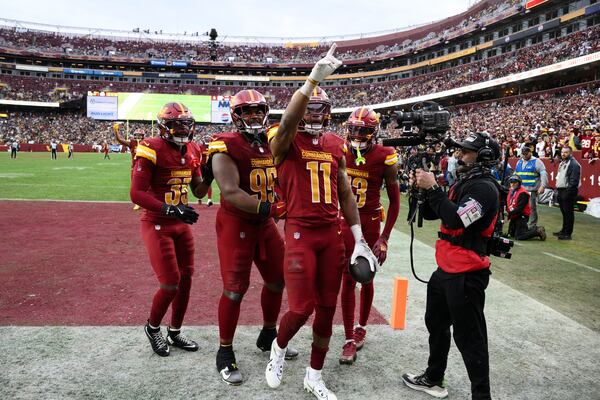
(519, 209)
(456, 290)
(535, 179)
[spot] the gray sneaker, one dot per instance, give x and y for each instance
(227, 366)
(423, 384)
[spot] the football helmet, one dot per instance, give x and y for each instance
(250, 114)
(139, 134)
(176, 123)
(362, 127)
(318, 112)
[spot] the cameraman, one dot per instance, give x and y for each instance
(456, 290)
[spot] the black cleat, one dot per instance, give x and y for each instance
(559, 233)
(175, 338)
(227, 366)
(158, 343)
(423, 384)
(265, 339)
(564, 237)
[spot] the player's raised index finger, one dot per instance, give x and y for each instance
(331, 49)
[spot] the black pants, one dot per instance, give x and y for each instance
(13, 153)
(566, 201)
(518, 229)
(53, 155)
(458, 300)
(70, 154)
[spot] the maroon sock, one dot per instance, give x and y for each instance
(229, 313)
(288, 327)
(271, 304)
(348, 304)
(160, 304)
(366, 301)
(317, 357)
(180, 302)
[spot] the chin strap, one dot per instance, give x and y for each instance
(359, 158)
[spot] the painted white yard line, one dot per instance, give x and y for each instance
(572, 262)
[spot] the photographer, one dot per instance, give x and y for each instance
(456, 290)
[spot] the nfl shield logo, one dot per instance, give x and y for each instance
(242, 235)
(296, 235)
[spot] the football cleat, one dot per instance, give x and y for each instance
(209, 203)
(274, 371)
(423, 384)
(157, 341)
(360, 335)
(265, 339)
(348, 353)
(175, 338)
(317, 388)
(227, 366)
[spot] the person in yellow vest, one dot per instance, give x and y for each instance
(534, 179)
(519, 209)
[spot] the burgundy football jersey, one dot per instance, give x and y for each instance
(255, 167)
(308, 178)
(366, 178)
(173, 171)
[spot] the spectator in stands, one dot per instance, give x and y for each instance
(567, 185)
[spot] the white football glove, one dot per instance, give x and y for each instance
(325, 66)
(361, 248)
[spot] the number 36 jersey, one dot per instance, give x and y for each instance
(173, 171)
(308, 178)
(255, 168)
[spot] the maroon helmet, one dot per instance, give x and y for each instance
(250, 114)
(318, 112)
(176, 123)
(362, 127)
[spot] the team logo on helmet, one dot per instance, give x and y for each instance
(362, 127)
(318, 112)
(250, 114)
(176, 123)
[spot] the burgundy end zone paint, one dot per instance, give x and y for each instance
(85, 264)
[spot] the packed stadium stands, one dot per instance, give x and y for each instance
(189, 49)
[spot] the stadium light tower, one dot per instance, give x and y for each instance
(212, 44)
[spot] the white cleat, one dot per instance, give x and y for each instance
(317, 388)
(274, 371)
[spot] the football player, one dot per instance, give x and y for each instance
(368, 164)
(243, 168)
(137, 136)
(164, 167)
(311, 169)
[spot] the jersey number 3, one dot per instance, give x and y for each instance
(178, 193)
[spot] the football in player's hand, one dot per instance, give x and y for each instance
(361, 270)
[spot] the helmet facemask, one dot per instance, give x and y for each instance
(316, 117)
(361, 137)
(252, 121)
(178, 131)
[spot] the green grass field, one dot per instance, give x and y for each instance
(561, 274)
(145, 106)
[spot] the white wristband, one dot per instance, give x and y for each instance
(308, 87)
(356, 232)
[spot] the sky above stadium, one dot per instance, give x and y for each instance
(296, 18)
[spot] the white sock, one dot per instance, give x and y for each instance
(278, 350)
(314, 374)
(153, 327)
(349, 340)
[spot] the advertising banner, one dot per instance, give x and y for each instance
(220, 110)
(102, 107)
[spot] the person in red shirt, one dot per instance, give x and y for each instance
(105, 150)
(311, 170)
(137, 136)
(244, 170)
(368, 166)
(163, 169)
(519, 209)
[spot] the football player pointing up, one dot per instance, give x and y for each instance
(163, 169)
(311, 169)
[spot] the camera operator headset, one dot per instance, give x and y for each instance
(456, 290)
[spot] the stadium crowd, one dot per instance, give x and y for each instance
(552, 117)
(541, 54)
(54, 42)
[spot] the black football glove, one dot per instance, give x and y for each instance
(182, 212)
(207, 173)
